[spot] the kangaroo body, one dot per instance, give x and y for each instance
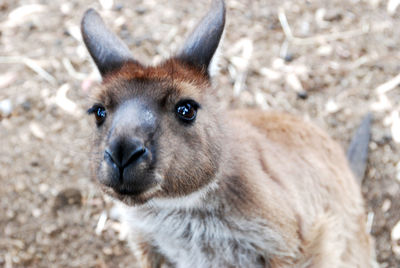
(207, 187)
(264, 211)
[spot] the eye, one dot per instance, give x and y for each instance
(99, 112)
(186, 110)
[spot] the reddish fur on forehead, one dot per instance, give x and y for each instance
(174, 78)
(172, 69)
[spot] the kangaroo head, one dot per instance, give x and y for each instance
(158, 130)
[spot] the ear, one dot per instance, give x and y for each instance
(106, 49)
(201, 45)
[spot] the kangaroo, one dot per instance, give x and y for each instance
(203, 186)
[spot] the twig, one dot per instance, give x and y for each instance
(101, 223)
(370, 221)
(389, 85)
(362, 61)
(39, 70)
(32, 65)
(366, 29)
(333, 36)
(285, 25)
(71, 70)
(8, 261)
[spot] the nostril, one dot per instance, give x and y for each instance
(108, 157)
(135, 155)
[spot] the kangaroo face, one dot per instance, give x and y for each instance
(156, 136)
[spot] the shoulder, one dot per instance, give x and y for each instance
(283, 128)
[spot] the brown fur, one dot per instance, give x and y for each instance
(275, 166)
(314, 212)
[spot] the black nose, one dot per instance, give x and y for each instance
(128, 163)
(125, 152)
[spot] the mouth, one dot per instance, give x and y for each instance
(129, 182)
(136, 186)
(132, 197)
(129, 192)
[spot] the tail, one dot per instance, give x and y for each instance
(357, 154)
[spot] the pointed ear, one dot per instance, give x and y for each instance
(201, 45)
(106, 49)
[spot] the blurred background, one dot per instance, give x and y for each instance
(329, 62)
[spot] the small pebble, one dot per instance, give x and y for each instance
(118, 6)
(51, 229)
(26, 105)
(373, 146)
(20, 186)
(36, 212)
(141, 10)
(395, 234)
(331, 106)
(6, 107)
(333, 15)
(325, 50)
(10, 214)
(302, 95)
(67, 197)
(107, 251)
(43, 188)
(386, 205)
(34, 163)
(385, 139)
(66, 8)
(288, 57)
(37, 130)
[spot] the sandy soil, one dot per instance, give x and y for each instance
(328, 67)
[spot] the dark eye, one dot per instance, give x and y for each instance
(99, 112)
(186, 110)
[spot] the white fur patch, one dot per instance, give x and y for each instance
(204, 239)
(191, 232)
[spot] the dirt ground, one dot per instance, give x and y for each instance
(330, 62)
